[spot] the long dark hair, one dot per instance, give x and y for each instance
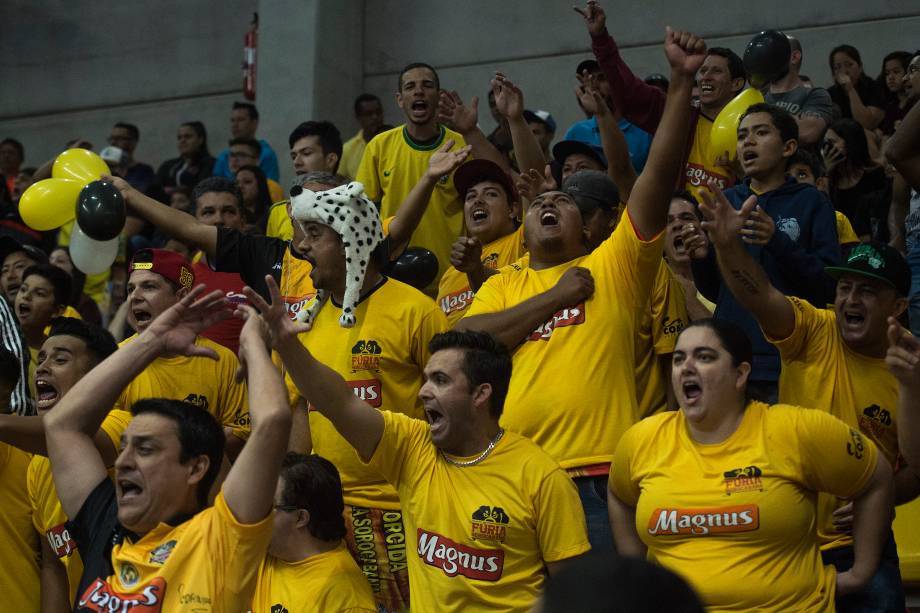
(258, 215)
(202, 133)
(857, 156)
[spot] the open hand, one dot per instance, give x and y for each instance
(457, 115)
(444, 161)
(723, 224)
(832, 155)
(685, 51)
(696, 243)
(176, 328)
(530, 184)
(759, 228)
(509, 99)
(589, 94)
(280, 326)
(903, 357)
(594, 16)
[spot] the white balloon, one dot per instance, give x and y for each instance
(89, 255)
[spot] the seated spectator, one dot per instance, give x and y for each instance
(894, 69)
(12, 155)
(543, 127)
(244, 123)
(85, 306)
(369, 113)
(244, 151)
(811, 106)
(857, 185)
(194, 162)
(24, 179)
(857, 96)
(805, 167)
(125, 136)
(181, 199)
(257, 201)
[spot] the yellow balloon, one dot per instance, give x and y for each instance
(50, 203)
(724, 133)
(80, 165)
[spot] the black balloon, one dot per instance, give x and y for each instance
(766, 57)
(101, 211)
(417, 267)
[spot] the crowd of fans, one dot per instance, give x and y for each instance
(462, 371)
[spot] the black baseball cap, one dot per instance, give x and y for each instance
(591, 189)
(543, 117)
(565, 148)
(10, 245)
(476, 171)
(876, 260)
(590, 65)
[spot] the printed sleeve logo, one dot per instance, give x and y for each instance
(703, 522)
(747, 479)
(456, 559)
(368, 390)
(457, 301)
(365, 355)
(278, 608)
(572, 316)
(855, 446)
(161, 553)
(491, 261)
(489, 524)
(199, 400)
(60, 540)
(100, 596)
(875, 421)
(672, 327)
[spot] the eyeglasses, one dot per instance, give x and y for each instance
(285, 507)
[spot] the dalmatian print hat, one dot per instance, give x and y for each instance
(354, 217)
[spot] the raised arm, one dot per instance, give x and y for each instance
(357, 421)
(743, 276)
(651, 196)
(442, 162)
(173, 222)
(76, 464)
(250, 487)
(509, 101)
(28, 433)
(904, 361)
(463, 118)
(619, 166)
(903, 150)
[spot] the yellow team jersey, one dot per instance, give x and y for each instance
(454, 293)
(47, 515)
(479, 535)
(208, 563)
(701, 169)
(279, 222)
(352, 152)
(845, 233)
(329, 582)
(854, 388)
(737, 518)
(591, 345)
(391, 166)
(275, 191)
(661, 323)
(207, 383)
(381, 359)
(19, 544)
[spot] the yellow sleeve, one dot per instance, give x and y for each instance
(490, 298)
(561, 525)
(240, 546)
(669, 311)
(32, 489)
(834, 457)
(845, 233)
(114, 425)
(385, 224)
(629, 262)
(795, 344)
(367, 171)
(621, 481)
(275, 191)
(400, 448)
(433, 322)
(234, 403)
(279, 224)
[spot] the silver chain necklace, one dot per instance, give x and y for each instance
(482, 456)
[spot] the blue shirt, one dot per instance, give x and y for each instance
(268, 162)
(638, 141)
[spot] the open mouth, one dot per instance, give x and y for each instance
(748, 155)
(678, 244)
(479, 215)
(128, 489)
(23, 310)
(706, 88)
(549, 218)
(419, 107)
(46, 393)
(853, 319)
(141, 316)
(692, 390)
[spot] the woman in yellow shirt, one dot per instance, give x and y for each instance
(724, 490)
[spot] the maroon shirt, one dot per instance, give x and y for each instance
(226, 332)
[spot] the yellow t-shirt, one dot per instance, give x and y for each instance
(47, 515)
(454, 293)
(845, 233)
(657, 337)
(737, 518)
(591, 346)
(275, 191)
(381, 359)
(352, 151)
(483, 533)
(207, 383)
(700, 169)
(329, 582)
(820, 371)
(391, 166)
(208, 563)
(19, 544)
(279, 222)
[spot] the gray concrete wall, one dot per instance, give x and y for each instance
(72, 72)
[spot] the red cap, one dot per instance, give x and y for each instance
(169, 264)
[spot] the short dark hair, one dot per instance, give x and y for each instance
(312, 483)
(57, 277)
(781, 118)
(732, 337)
(807, 158)
(683, 194)
(249, 107)
(199, 434)
(252, 143)
(849, 50)
(17, 145)
(365, 98)
(735, 63)
(10, 371)
(221, 185)
(330, 139)
(485, 360)
(130, 127)
(408, 67)
(99, 341)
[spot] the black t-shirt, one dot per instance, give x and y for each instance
(869, 90)
(251, 256)
(864, 204)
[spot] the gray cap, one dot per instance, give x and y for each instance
(592, 189)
